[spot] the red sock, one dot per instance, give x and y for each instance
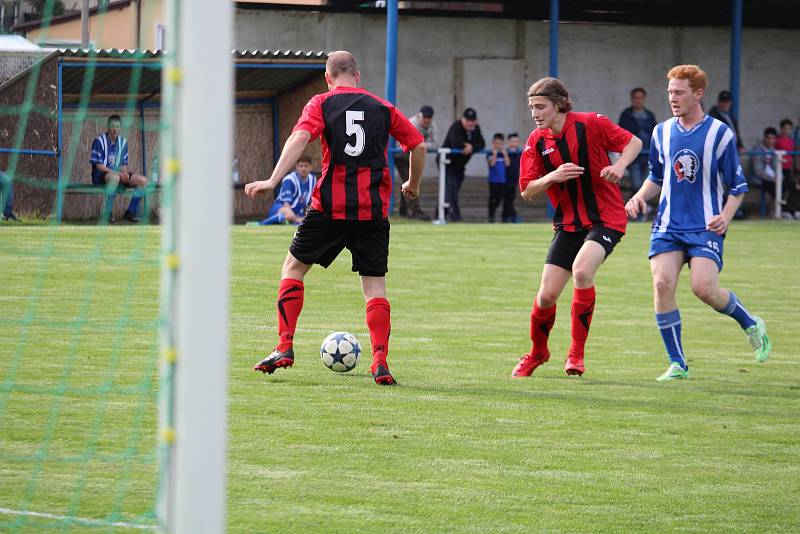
(378, 313)
(289, 306)
(582, 310)
(542, 320)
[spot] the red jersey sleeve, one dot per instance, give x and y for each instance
(403, 131)
(614, 137)
(530, 164)
(311, 119)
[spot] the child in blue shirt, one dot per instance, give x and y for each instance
(498, 162)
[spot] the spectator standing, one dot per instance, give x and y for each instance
(423, 122)
(722, 111)
(464, 135)
(512, 179)
(7, 197)
(639, 121)
(498, 163)
(785, 142)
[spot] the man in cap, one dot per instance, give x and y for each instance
(465, 135)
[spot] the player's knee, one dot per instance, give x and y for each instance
(112, 179)
(663, 285)
(703, 290)
(582, 277)
(547, 299)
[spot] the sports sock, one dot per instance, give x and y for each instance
(380, 328)
(542, 320)
(582, 311)
(289, 305)
(278, 218)
(735, 309)
(133, 207)
(669, 323)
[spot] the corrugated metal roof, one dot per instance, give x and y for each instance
(143, 77)
(126, 53)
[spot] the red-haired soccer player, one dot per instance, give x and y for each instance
(567, 158)
(349, 205)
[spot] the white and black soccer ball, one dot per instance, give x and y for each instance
(340, 352)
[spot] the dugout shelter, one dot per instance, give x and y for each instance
(71, 93)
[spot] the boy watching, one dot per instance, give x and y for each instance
(498, 162)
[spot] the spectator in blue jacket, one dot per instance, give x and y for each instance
(639, 121)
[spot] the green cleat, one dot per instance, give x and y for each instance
(757, 336)
(674, 372)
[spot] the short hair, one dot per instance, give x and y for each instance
(638, 90)
(512, 134)
(341, 62)
(555, 90)
(770, 131)
(784, 122)
(498, 136)
(696, 76)
(304, 158)
(114, 118)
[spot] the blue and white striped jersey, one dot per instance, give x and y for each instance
(112, 155)
(295, 192)
(694, 168)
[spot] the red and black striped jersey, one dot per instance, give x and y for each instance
(585, 140)
(354, 126)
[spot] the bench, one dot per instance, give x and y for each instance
(92, 189)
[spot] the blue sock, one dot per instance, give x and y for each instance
(669, 323)
(735, 309)
(278, 218)
(133, 207)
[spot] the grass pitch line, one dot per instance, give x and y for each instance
(81, 520)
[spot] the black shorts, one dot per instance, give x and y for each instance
(319, 239)
(565, 245)
(99, 178)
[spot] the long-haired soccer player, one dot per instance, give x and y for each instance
(567, 158)
(693, 164)
(349, 205)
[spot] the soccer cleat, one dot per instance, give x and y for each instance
(527, 364)
(130, 217)
(276, 360)
(574, 364)
(757, 336)
(674, 372)
(382, 376)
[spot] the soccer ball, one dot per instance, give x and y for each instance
(340, 352)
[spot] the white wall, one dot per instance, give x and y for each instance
(451, 63)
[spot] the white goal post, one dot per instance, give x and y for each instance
(196, 147)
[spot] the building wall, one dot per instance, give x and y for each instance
(451, 63)
(115, 28)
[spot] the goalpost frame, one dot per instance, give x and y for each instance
(196, 148)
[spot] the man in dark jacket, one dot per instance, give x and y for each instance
(465, 135)
(722, 111)
(639, 121)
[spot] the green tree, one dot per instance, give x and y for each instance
(40, 8)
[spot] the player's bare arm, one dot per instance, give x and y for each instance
(416, 165)
(638, 202)
(292, 150)
(719, 223)
(613, 173)
(565, 171)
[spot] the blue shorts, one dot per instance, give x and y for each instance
(693, 244)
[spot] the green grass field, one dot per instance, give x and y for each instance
(458, 446)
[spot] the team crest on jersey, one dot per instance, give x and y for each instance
(686, 164)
